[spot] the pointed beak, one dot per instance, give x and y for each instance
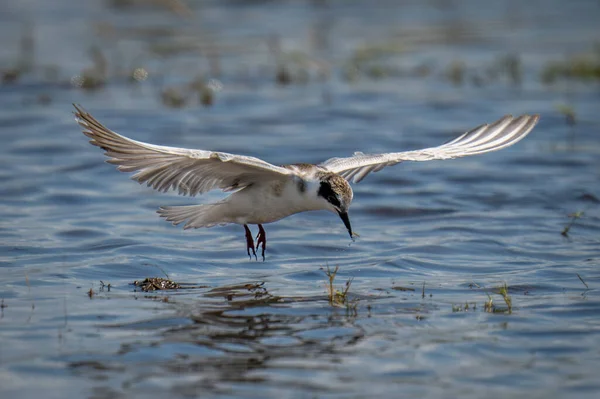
(346, 220)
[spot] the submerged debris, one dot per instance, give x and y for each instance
(105, 285)
(399, 288)
(584, 283)
(156, 284)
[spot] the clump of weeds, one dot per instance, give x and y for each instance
(489, 306)
(156, 284)
(339, 298)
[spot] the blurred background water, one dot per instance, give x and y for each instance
(461, 282)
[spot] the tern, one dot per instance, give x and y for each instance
(264, 193)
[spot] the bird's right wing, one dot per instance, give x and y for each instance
(189, 171)
(485, 138)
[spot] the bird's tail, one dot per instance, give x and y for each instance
(207, 215)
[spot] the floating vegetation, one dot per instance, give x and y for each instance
(205, 90)
(574, 217)
(374, 61)
(503, 291)
(568, 112)
(156, 284)
(24, 62)
(165, 45)
(173, 97)
(339, 298)
(206, 97)
(510, 65)
(488, 306)
(88, 80)
(398, 288)
(456, 72)
(10, 75)
(94, 77)
(370, 54)
(581, 67)
(464, 308)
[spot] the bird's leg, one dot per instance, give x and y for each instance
(250, 242)
(261, 238)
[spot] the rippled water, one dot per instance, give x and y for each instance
(433, 236)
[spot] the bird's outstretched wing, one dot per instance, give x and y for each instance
(189, 171)
(485, 138)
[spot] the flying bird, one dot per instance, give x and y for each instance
(264, 193)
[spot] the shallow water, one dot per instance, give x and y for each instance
(433, 236)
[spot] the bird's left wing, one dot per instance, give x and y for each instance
(189, 171)
(485, 138)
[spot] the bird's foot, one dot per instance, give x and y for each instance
(250, 243)
(261, 238)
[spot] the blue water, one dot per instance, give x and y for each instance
(461, 229)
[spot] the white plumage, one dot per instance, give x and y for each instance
(485, 138)
(264, 193)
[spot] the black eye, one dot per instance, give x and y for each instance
(332, 199)
(327, 192)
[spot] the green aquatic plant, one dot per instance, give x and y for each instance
(339, 298)
(574, 216)
(585, 67)
(488, 306)
(507, 299)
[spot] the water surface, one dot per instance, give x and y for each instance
(300, 82)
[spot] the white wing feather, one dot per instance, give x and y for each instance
(485, 138)
(189, 171)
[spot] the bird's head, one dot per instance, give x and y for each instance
(337, 194)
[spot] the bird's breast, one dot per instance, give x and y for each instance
(272, 201)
